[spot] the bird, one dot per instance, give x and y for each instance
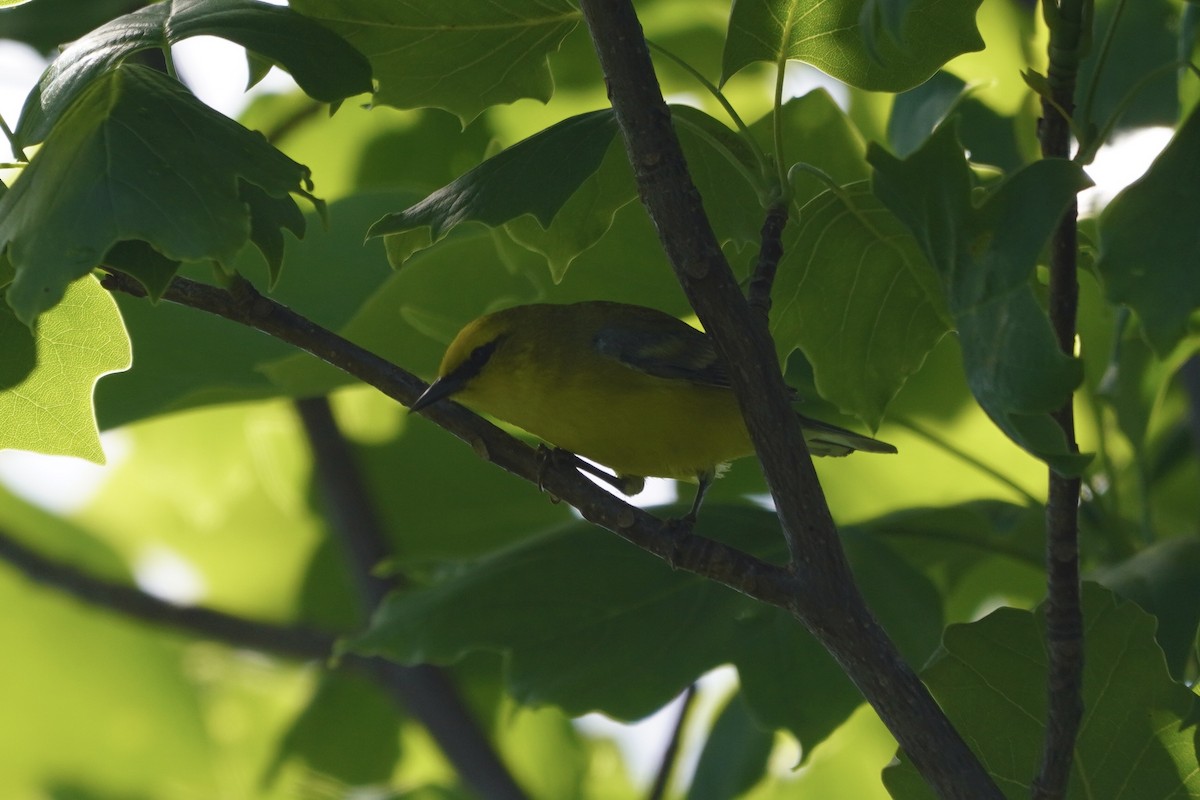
(629, 387)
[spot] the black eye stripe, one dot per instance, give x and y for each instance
(479, 357)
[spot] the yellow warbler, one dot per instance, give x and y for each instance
(629, 387)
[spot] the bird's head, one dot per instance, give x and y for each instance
(465, 359)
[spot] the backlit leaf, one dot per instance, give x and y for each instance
(48, 408)
(829, 35)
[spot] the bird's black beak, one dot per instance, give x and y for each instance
(443, 387)
(457, 380)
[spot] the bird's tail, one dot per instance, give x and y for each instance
(829, 440)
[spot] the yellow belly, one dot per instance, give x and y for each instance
(651, 426)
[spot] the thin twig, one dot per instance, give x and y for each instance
(291, 641)
(425, 690)
(770, 251)
(670, 757)
(1064, 614)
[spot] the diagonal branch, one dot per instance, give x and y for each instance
(425, 690)
(708, 558)
(291, 641)
(827, 601)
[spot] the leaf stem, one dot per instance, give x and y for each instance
(943, 444)
(1101, 60)
(754, 180)
(720, 98)
(1091, 144)
(13, 144)
(777, 126)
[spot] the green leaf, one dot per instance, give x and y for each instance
(1164, 579)
(986, 255)
(976, 551)
(991, 683)
(324, 65)
(536, 176)
(1143, 43)
(830, 37)
(1155, 273)
(583, 217)
(917, 112)
(856, 295)
(46, 24)
(187, 358)
(49, 408)
(87, 695)
(460, 56)
(602, 610)
(734, 756)
(343, 702)
(138, 157)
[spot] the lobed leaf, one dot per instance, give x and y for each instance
(537, 176)
(588, 622)
(139, 158)
(324, 65)
(1164, 579)
(830, 36)
(991, 677)
(735, 754)
(1149, 241)
(857, 296)
(986, 256)
(47, 377)
(459, 55)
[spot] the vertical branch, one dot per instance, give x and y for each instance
(426, 691)
(825, 598)
(770, 250)
(1064, 615)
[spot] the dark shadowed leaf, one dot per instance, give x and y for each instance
(591, 623)
(462, 57)
(991, 682)
(1150, 243)
(537, 176)
(1164, 579)
(985, 254)
(112, 171)
(734, 756)
(322, 63)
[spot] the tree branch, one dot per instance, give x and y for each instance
(1064, 615)
(291, 641)
(770, 251)
(708, 558)
(425, 690)
(670, 757)
(826, 599)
